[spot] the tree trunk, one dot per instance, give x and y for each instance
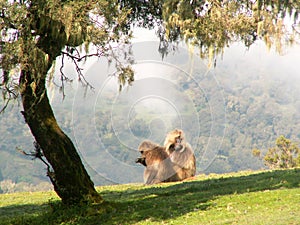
(69, 177)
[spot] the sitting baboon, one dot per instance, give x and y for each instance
(159, 167)
(181, 154)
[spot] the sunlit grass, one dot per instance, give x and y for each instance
(236, 198)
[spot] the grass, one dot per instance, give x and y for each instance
(271, 197)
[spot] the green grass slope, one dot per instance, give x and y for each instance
(271, 197)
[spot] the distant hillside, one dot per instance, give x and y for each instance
(270, 197)
(247, 101)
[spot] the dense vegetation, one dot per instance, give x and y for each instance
(239, 198)
(285, 154)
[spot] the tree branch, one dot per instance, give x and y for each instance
(5, 105)
(37, 153)
(295, 29)
(81, 77)
(63, 77)
(78, 58)
(8, 89)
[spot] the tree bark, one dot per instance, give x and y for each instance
(69, 177)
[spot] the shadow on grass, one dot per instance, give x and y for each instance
(159, 202)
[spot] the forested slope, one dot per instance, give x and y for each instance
(246, 101)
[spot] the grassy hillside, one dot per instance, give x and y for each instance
(271, 197)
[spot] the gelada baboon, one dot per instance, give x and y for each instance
(159, 167)
(181, 154)
(145, 146)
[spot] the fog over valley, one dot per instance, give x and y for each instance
(245, 101)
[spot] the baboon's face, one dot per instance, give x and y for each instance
(143, 148)
(178, 143)
(176, 140)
